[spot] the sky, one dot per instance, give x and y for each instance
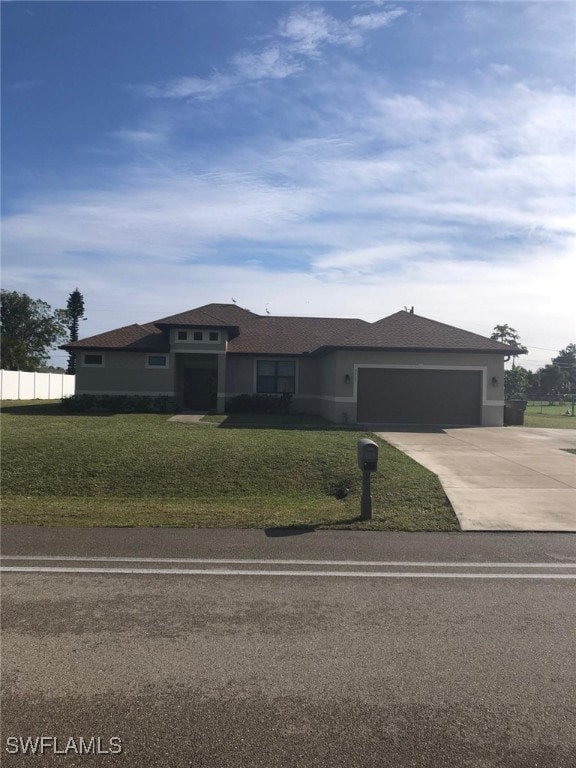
(342, 159)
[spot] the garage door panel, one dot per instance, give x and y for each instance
(400, 396)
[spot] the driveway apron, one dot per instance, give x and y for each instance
(500, 478)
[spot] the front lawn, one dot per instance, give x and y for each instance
(144, 470)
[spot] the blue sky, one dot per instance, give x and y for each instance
(324, 159)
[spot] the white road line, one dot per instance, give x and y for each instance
(309, 574)
(247, 561)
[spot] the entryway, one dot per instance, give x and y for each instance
(197, 381)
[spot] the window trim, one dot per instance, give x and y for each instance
(157, 367)
(93, 365)
(275, 360)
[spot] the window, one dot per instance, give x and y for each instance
(156, 361)
(93, 359)
(275, 376)
(202, 337)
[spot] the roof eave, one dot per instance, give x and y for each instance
(326, 350)
(109, 348)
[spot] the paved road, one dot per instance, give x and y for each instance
(468, 662)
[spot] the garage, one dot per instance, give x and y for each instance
(416, 396)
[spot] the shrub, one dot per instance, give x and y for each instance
(119, 404)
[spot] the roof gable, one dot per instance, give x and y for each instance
(130, 337)
(209, 315)
(407, 330)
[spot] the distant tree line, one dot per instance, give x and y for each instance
(30, 329)
(557, 379)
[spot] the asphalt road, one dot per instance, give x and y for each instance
(432, 650)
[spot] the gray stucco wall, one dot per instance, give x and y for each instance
(327, 385)
(340, 397)
(124, 373)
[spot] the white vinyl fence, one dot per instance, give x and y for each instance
(22, 385)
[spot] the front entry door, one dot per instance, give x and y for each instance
(200, 388)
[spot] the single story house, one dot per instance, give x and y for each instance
(403, 369)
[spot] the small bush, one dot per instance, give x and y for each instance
(259, 403)
(119, 404)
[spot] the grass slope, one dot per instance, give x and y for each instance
(129, 470)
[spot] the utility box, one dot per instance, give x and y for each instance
(367, 455)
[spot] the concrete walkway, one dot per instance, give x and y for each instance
(500, 479)
(193, 418)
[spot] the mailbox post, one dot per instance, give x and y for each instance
(368, 463)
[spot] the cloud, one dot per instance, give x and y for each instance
(300, 36)
(416, 175)
(378, 20)
(184, 87)
(271, 63)
(460, 202)
(308, 30)
(501, 70)
(141, 138)
(22, 86)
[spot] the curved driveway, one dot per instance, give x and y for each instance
(500, 478)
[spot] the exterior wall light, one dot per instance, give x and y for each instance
(494, 381)
(347, 379)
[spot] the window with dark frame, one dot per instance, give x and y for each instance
(275, 376)
(92, 359)
(157, 361)
(182, 335)
(198, 335)
(214, 336)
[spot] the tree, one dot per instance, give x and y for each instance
(510, 336)
(29, 328)
(516, 383)
(553, 381)
(566, 362)
(72, 315)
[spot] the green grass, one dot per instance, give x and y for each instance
(132, 470)
(551, 416)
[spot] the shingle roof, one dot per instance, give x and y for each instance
(131, 337)
(209, 315)
(263, 334)
(405, 330)
(297, 335)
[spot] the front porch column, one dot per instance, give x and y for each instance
(221, 389)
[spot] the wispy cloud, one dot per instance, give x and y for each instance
(301, 36)
(140, 138)
(22, 86)
(359, 190)
(416, 177)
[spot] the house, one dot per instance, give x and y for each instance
(403, 369)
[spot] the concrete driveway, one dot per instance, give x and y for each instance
(500, 478)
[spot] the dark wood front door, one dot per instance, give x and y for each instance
(200, 388)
